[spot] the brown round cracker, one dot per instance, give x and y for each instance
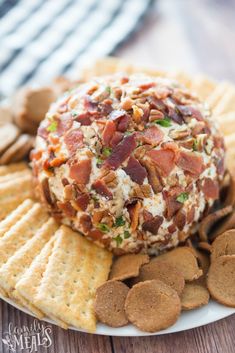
(193, 296)
(109, 303)
(127, 266)
(203, 245)
(18, 150)
(5, 115)
(30, 106)
(8, 134)
(184, 260)
(226, 224)
(230, 190)
(221, 280)
(224, 244)
(152, 306)
(209, 221)
(25, 124)
(204, 263)
(163, 271)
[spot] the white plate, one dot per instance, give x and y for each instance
(188, 320)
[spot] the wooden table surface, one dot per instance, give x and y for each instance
(193, 35)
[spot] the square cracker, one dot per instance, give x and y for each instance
(203, 86)
(14, 167)
(26, 288)
(227, 102)
(15, 175)
(16, 187)
(14, 268)
(10, 204)
(21, 232)
(112, 65)
(75, 269)
(226, 123)
(13, 193)
(217, 94)
(15, 216)
(230, 155)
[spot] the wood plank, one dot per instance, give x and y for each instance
(62, 341)
(215, 338)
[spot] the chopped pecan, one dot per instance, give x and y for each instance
(127, 103)
(145, 108)
(140, 235)
(110, 179)
(140, 151)
(142, 191)
(70, 192)
(137, 114)
(46, 191)
(180, 220)
(107, 219)
(187, 143)
(155, 115)
(153, 176)
(179, 134)
(97, 216)
(134, 214)
(190, 215)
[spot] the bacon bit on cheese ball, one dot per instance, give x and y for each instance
(131, 162)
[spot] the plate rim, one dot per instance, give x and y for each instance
(104, 330)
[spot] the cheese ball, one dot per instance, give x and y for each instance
(131, 162)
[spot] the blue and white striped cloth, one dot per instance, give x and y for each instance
(41, 39)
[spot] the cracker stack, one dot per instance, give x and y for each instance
(15, 187)
(50, 270)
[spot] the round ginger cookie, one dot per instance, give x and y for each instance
(163, 271)
(109, 303)
(221, 280)
(18, 150)
(152, 306)
(204, 264)
(203, 245)
(8, 135)
(127, 266)
(224, 244)
(209, 221)
(184, 260)
(193, 296)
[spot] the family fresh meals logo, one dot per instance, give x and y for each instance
(27, 337)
